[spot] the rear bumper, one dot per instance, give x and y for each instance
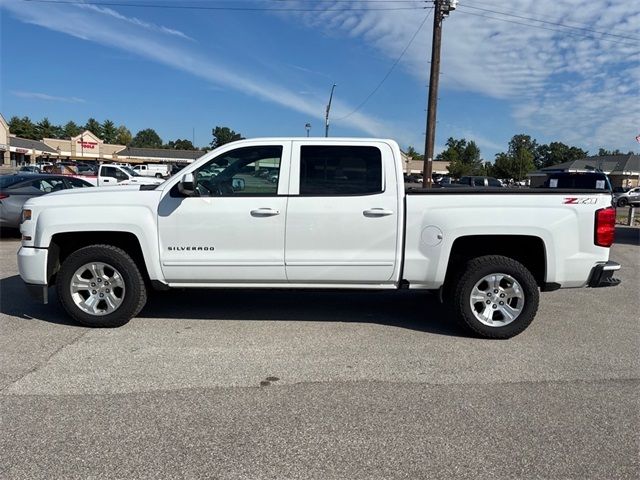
(602, 275)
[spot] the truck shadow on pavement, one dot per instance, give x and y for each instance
(405, 309)
(412, 310)
(16, 301)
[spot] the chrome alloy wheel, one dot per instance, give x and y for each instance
(497, 300)
(97, 288)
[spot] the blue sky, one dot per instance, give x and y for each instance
(268, 72)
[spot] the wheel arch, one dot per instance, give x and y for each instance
(64, 243)
(529, 250)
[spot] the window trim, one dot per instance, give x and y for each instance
(297, 172)
(285, 155)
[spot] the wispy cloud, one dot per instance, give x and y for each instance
(135, 21)
(120, 32)
(569, 83)
(46, 97)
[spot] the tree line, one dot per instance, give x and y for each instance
(524, 155)
(147, 138)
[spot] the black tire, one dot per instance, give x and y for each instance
(623, 202)
(135, 292)
(158, 175)
(472, 273)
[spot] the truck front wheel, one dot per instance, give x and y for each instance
(495, 296)
(101, 286)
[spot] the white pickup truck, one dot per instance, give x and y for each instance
(158, 170)
(112, 174)
(337, 217)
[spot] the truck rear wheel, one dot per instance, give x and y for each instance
(495, 297)
(101, 286)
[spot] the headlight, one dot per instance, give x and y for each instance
(26, 214)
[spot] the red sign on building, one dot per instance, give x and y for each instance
(87, 144)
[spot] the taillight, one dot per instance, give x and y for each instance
(605, 227)
(3, 196)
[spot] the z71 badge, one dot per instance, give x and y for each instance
(580, 201)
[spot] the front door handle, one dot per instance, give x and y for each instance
(264, 212)
(377, 212)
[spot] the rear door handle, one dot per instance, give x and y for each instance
(264, 212)
(377, 212)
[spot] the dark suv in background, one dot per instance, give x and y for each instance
(581, 180)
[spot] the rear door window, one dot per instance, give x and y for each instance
(340, 170)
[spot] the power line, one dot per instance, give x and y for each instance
(575, 25)
(575, 34)
(551, 23)
(384, 79)
(223, 8)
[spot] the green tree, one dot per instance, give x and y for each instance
(94, 127)
(519, 159)
(180, 144)
(222, 135)
(23, 127)
(411, 152)
(44, 128)
(123, 136)
(504, 167)
(555, 153)
(602, 152)
(109, 131)
(147, 138)
(57, 131)
(463, 157)
(71, 129)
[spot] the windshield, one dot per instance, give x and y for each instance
(130, 171)
(7, 180)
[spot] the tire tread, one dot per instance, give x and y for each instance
(120, 256)
(476, 268)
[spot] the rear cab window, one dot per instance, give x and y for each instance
(335, 170)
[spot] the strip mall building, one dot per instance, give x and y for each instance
(86, 147)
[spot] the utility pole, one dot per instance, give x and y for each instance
(442, 8)
(326, 117)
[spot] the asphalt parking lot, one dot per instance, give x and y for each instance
(275, 384)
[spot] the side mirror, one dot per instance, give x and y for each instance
(187, 184)
(237, 184)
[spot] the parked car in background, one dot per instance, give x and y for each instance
(43, 165)
(582, 180)
(479, 181)
(18, 188)
(113, 174)
(629, 197)
(158, 170)
(30, 169)
(86, 169)
(176, 168)
(471, 181)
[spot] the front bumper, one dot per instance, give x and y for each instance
(32, 265)
(602, 275)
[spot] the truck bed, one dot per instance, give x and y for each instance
(503, 191)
